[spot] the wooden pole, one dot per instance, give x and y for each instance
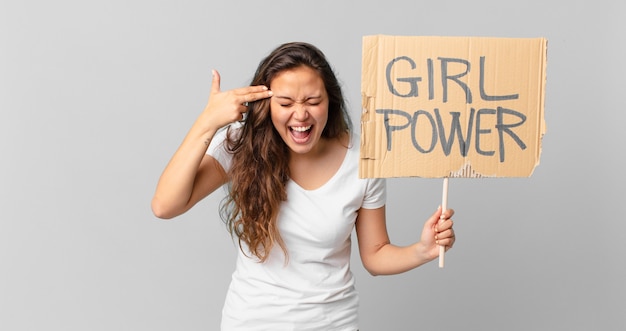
(444, 206)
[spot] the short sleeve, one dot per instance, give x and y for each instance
(375, 193)
(217, 149)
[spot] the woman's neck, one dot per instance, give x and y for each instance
(314, 169)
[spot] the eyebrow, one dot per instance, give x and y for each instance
(291, 99)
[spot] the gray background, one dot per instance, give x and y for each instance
(95, 96)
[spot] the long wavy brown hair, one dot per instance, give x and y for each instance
(260, 163)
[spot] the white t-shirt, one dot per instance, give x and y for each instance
(315, 290)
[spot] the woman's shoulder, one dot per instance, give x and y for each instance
(218, 146)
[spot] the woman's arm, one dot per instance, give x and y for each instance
(380, 257)
(190, 174)
(183, 183)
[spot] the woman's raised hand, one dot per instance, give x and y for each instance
(225, 107)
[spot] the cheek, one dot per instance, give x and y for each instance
(321, 114)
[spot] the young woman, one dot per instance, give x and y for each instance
(285, 147)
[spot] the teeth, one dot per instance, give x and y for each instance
(300, 128)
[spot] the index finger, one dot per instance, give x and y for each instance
(254, 93)
(448, 213)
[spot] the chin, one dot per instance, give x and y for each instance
(303, 148)
(299, 148)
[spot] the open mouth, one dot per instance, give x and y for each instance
(300, 133)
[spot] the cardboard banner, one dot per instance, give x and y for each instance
(452, 106)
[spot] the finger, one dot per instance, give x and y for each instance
(254, 93)
(445, 239)
(251, 89)
(447, 214)
(434, 218)
(444, 234)
(215, 84)
(447, 242)
(445, 225)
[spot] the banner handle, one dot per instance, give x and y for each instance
(444, 206)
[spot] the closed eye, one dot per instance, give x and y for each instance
(285, 101)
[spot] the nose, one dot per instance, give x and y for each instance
(300, 112)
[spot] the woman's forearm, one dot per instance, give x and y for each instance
(390, 259)
(175, 189)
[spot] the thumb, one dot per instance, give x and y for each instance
(215, 84)
(429, 229)
(434, 218)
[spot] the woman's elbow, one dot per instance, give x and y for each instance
(372, 272)
(160, 210)
(371, 268)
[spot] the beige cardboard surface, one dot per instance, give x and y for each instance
(452, 106)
